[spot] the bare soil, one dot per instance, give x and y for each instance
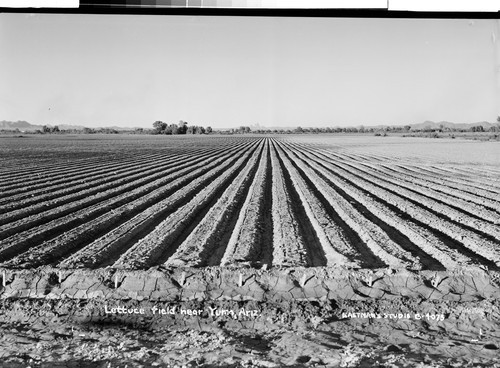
(415, 219)
(386, 318)
(72, 333)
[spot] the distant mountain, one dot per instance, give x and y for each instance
(21, 125)
(25, 126)
(447, 124)
(418, 126)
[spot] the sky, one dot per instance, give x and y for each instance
(131, 70)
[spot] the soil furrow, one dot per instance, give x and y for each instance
(467, 186)
(334, 243)
(447, 213)
(314, 253)
(244, 245)
(373, 236)
(79, 183)
(200, 248)
(132, 183)
(478, 244)
(441, 185)
(41, 176)
(22, 241)
(53, 250)
(72, 193)
(431, 249)
(289, 247)
(454, 211)
(108, 248)
(49, 179)
(154, 247)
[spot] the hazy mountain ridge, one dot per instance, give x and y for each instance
(447, 124)
(417, 126)
(24, 125)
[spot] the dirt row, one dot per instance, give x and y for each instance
(39, 207)
(418, 237)
(83, 154)
(200, 246)
(260, 202)
(439, 179)
(477, 198)
(46, 177)
(53, 178)
(222, 283)
(372, 235)
(69, 184)
(334, 242)
(71, 240)
(482, 245)
(440, 194)
(475, 178)
(453, 209)
(245, 244)
(150, 249)
(468, 185)
(115, 241)
(138, 199)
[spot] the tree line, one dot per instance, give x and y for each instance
(159, 127)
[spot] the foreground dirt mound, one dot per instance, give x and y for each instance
(215, 318)
(223, 283)
(76, 333)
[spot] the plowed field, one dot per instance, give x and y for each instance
(290, 201)
(352, 251)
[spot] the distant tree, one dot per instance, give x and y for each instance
(208, 130)
(167, 130)
(55, 129)
(88, 131)
(174, 129)
(182, 127)
(200, 130)
(159, 126)
(46, 129)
